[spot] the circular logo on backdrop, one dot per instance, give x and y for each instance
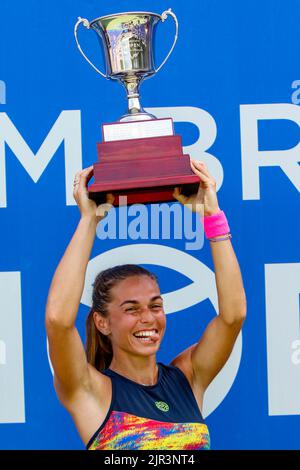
(202, 287)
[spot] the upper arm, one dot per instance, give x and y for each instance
(213, 349)
(68, 359)
(204, 360)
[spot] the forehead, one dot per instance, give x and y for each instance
(138, 288)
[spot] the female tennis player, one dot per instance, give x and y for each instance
(117, 393)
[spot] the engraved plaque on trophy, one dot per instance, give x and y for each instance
(140, 156)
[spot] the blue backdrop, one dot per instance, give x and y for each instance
(231, 86)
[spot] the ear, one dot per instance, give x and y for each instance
(101, 323)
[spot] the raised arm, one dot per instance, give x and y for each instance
(215, 346)
(65, 346)
(205, 359)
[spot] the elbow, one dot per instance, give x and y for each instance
(51, 316)
(243, 308)
(51, 320)
(236, 314)
(241, 316)
(56, 320)
(241, 311)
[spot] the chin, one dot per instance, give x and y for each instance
(147, 349)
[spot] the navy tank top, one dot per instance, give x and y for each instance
(155, 417)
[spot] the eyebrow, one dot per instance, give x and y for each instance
(136, 302)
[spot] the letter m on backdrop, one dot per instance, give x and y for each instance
(67, 129)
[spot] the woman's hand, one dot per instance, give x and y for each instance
(205, 201)
(88, 207)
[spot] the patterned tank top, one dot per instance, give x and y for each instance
(154, 417)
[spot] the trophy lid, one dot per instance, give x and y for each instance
(125, 13)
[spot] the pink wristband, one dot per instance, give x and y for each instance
(215, 225)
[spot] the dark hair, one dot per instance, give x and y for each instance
(98, 346)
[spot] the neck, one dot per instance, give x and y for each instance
(141, 370)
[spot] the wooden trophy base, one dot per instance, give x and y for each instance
(145, 170)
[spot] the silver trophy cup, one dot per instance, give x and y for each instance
(127, 39)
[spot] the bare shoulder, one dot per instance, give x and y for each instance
(90, 405)
(184, 362)
(96, 389)
(96, 376)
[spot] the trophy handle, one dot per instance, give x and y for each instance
(86, 23)
(164, 16)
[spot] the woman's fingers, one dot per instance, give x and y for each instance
(177, 191)
(82, 177)
(102, 209)
(199, 169)
(85, 176)
(195, 169)
(110, 198)
(202, 167)
(178, 196)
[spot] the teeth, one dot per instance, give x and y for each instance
(144, 333)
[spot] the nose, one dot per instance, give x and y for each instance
(146, 315)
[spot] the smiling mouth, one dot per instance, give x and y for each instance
(147, 340)
(151, 337)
